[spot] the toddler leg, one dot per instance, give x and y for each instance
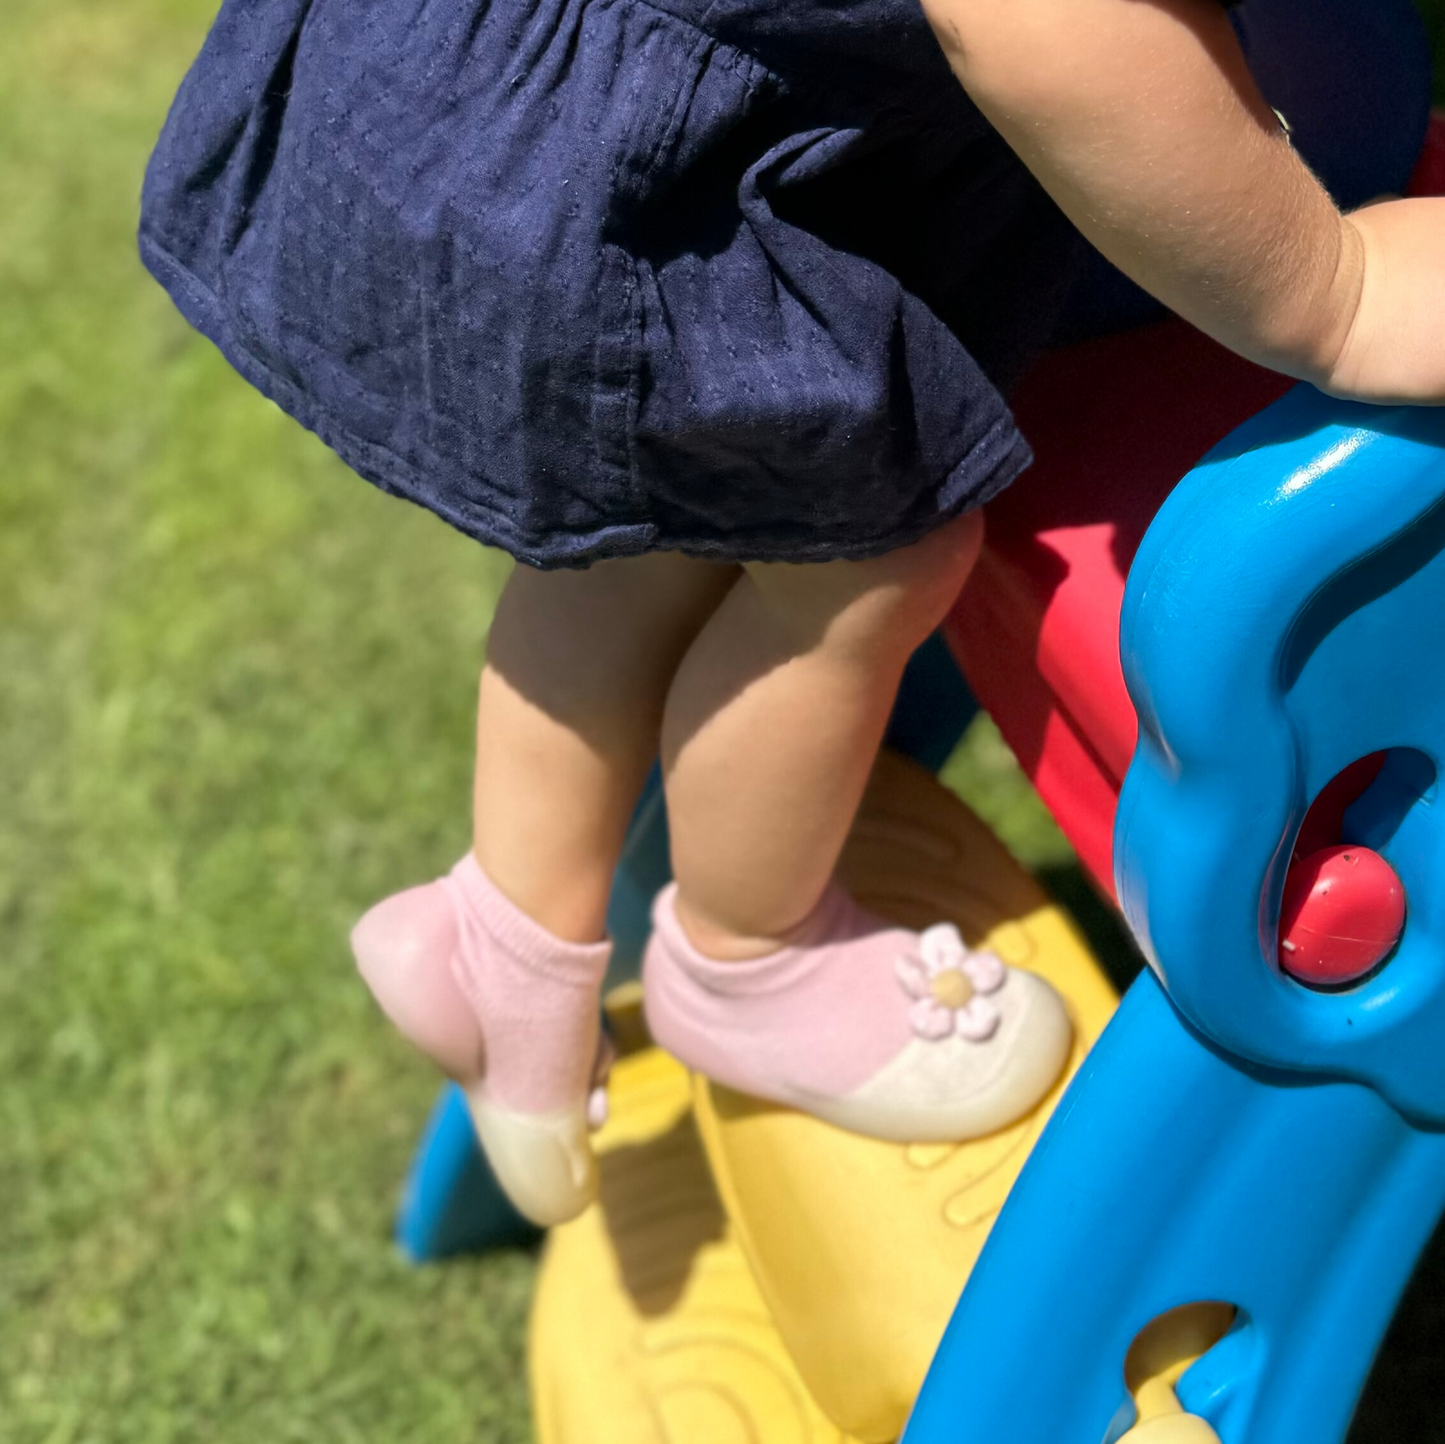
(773, 723)
(494, 970)
(762, 973)
(568, 723)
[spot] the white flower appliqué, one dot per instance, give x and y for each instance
(948, 984)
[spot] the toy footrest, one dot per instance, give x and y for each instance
(861, 1248)
(647, 1327)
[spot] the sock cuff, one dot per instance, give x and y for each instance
(772, 972)
(523, 938)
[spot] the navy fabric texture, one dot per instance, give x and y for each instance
(590, 278)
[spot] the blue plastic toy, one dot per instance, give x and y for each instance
(1246, 1139)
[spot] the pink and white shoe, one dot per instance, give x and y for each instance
(893, 1034)
(510, 1012)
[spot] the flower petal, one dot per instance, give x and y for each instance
(986, 971)
(978, 1021)
(913, 974)
(931, 1020)
(942, 947)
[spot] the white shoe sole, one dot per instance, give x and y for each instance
(543, 1161)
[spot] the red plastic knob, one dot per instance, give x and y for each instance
(1343, 910)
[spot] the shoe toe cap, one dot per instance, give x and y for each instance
(955, 1088)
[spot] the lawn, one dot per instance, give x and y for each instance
(235, 707)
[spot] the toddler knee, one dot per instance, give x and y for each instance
(887, 604)
(937, 566)
(910, 591)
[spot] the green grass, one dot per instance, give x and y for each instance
(235, 707)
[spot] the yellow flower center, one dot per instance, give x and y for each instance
(951, 989)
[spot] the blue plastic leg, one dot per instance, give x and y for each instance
(934, 706)
(451, 1203)
(644, 869)
(1172, 1174)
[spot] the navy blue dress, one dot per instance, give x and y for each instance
(748, 279)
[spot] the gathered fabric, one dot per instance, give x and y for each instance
(590, 278)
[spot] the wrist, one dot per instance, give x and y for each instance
(1332, 362)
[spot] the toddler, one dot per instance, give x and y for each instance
(705, 310)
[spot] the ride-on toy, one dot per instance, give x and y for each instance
(1203, 1235)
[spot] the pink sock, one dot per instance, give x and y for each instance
(895, 1034)
(506, 1008)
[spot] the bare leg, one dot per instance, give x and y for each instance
(760, 974)
(769, 691)
(569, 716)
(773, 722)
(493, 970)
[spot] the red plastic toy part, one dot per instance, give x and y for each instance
(1343, 911)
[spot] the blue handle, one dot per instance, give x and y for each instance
(1284, 617)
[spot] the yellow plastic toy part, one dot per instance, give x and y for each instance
(861, 1248)
(1156, 1363)
(1173, 1429)
(647, 1327)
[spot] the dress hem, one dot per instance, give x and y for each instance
(996, 459)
